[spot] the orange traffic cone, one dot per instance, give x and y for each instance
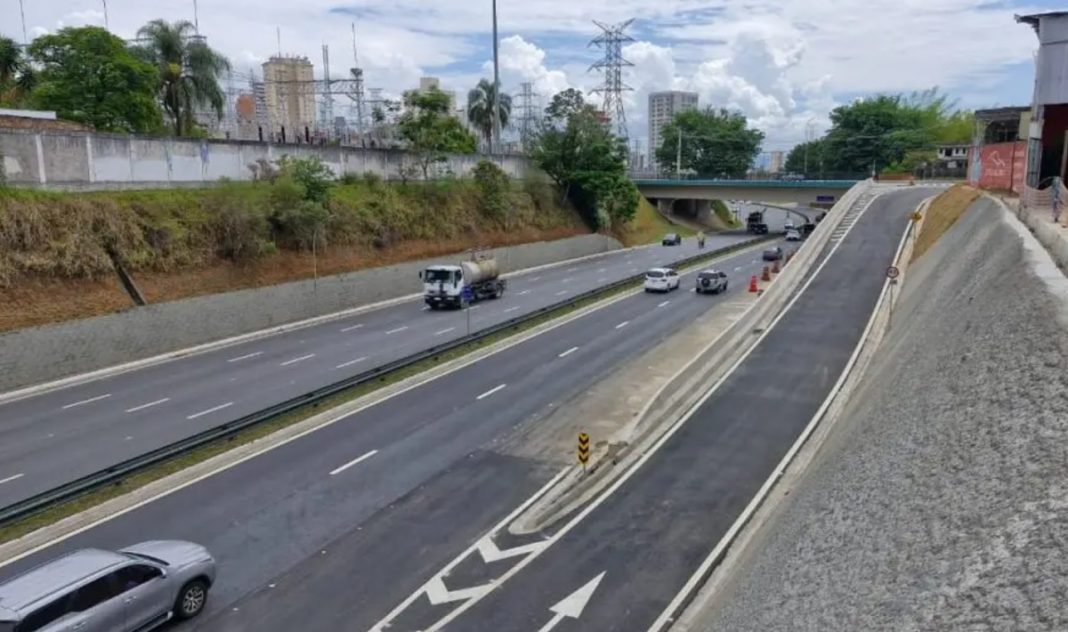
(753, 284)
(775, 268)
(767, 274)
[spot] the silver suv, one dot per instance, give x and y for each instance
(91, 590)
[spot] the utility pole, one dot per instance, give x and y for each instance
(107, 26)
(496, 139)
(22, 11)
(196, 18)
(678, 156)
(357, 75)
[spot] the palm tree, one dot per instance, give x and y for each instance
(189, 70)
(16, 75)
(480, 108)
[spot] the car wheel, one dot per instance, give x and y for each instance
(191, 599)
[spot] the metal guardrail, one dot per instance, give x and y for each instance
(116, 473)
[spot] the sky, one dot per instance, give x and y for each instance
(784, 63)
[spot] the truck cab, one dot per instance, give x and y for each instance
(443, 285)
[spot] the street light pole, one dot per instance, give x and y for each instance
(495, 141)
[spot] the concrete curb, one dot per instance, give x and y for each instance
(680, 393)
(796, 461)
(134, 365)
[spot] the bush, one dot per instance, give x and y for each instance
(494, 187)
(312, 174)
(349, 179)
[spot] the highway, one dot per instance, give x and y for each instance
(634, 549)
(389, 494)
(58, 436)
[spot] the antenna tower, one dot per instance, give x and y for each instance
(357, 76)
(611, 41)
(527, 113)
(328, 98)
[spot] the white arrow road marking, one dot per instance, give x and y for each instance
(437, 593)
(492, 553)
(437, 586)
(572, 605)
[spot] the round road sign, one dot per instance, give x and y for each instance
(892, 272)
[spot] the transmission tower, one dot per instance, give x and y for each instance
(528, 117)
(611, 41)
(327, 108)
(357, 76)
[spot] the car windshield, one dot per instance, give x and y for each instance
(708, 275)
(437, 276)
(670, 236)
(654, 274)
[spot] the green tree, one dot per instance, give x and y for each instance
(430, 130)
(715, 143)
(806, 158)
(88, 75)
(188, 68)
(586, 161)
(480, 108)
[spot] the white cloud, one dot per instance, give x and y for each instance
(782, 63)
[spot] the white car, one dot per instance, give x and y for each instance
(793, 235)
(661, 280)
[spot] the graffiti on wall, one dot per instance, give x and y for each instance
(1001, 166)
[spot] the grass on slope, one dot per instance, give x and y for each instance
(178, 243)
(649, 226)
(943, 212)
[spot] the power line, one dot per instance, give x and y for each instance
(611, 40)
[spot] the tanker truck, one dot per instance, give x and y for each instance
(443, 285)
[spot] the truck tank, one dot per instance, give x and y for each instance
(480, 271)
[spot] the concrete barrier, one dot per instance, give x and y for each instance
(89, 161)
(38, 354)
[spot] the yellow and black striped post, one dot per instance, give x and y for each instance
(583, 449)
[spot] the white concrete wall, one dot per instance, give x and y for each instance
(73, 160)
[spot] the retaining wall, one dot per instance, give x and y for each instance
(38, 354)
(85, 161)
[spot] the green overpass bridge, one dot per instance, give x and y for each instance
(693, 198)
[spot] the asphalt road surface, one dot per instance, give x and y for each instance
(644, 541)
(56, 437)
(384, 497)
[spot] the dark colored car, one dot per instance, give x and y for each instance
(773, 254)
(672, 239)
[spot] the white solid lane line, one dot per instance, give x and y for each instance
(351, 328)
(523, 292)
(148, 405)
(10, 478)
(561, 292)
(491, 391)
(663, 304)
(296, 360)
(87, 401)
(511, 309)
(397, 330)
(362, 457)
(350, 363)
(444, 331)
(622, 324)
(568, 352)
(210, 410)
(245, 357)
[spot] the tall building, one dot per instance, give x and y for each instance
(430, 83)
(289, 87)
(776, 162)
(663, 106)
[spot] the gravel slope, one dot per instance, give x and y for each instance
(940, 502)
